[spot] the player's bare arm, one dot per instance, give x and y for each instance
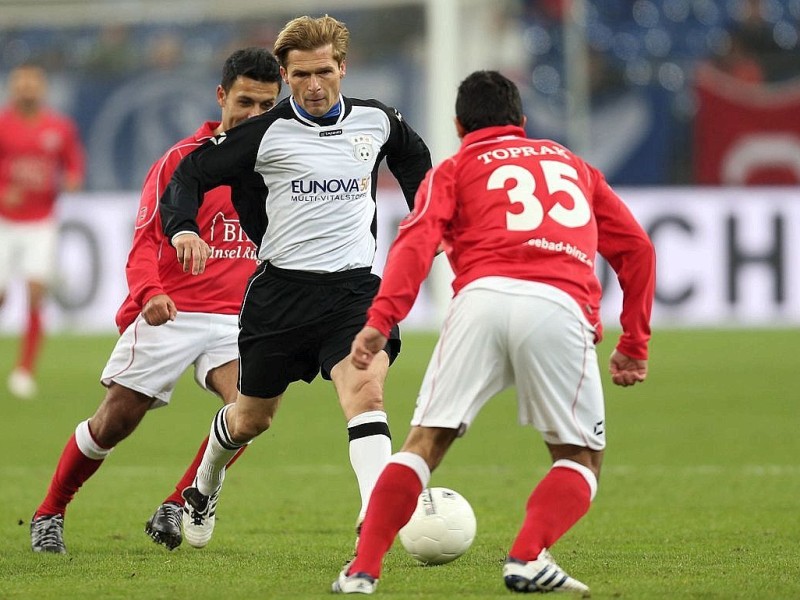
(159, 309)
(192, 251)
(626, 371)
(366, 345)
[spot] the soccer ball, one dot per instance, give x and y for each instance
(441, 529)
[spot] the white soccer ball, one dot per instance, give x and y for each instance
(441, 529)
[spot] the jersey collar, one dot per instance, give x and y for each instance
(332, 117)
(485, 133)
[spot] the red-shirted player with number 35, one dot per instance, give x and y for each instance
(521, 221)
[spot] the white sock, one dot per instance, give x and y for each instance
(370, 449)
(219, 451)
(86, 444)
(414, 462)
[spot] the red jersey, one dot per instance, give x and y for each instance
(35, 156)
(153, 266)
(510, 206)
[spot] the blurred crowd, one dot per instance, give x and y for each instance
(644, 58)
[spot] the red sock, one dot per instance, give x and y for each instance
(390, 507)
(191, 472)
(73, 469)
(31, 341)
(556, 504)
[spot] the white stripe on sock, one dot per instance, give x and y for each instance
(414, 462)
(86, 443)
(371, 416)
(211, 470)
(587, 473)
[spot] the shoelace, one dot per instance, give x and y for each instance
(47, 532)
(198, 518)
(173, 516)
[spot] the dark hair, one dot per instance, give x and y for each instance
(487, 98)
(253, 63)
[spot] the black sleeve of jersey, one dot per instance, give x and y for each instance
(226, 159)
(248, 196)
(407, 155)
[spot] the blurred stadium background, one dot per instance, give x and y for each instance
(689, 107)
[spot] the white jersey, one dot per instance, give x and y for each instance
(304, 188)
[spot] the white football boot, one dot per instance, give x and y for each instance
(540, 575)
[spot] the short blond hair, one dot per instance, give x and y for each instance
(308, 33)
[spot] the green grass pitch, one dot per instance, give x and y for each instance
(699, 496)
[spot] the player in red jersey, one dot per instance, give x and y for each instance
(521, 221)
(40, 156)
(169, 321)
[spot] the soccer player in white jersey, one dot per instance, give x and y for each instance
(309, 167)
(169, 322)
(522, 221)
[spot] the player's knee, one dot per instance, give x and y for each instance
(110, 432)
(118, 415)
(36, 295)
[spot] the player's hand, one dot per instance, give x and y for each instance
(159, 309)
(625, 370)
(366, 345)
(193, 252)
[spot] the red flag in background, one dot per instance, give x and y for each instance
(746, 133)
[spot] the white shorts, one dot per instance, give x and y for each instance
(150, 360)
(500, 332)
(27, 250)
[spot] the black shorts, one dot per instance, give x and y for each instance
(294, 324)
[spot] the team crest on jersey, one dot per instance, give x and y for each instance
(362, 147)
